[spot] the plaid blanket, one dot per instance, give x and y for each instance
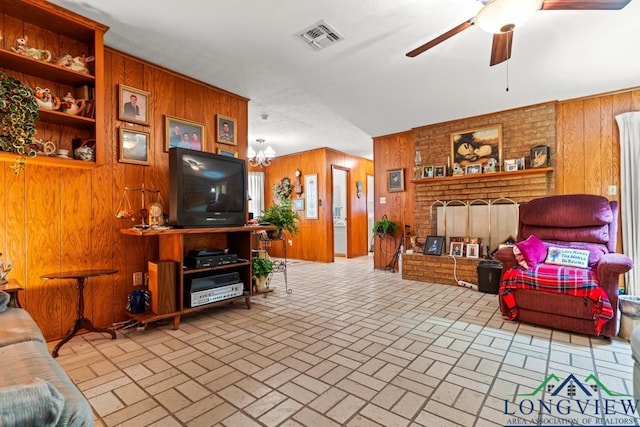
(579, 282)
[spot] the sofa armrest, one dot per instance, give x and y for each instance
(613, 265)
(506, 257)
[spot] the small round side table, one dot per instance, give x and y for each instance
(81, 322)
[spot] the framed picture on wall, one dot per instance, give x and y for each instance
(226, 131)
(228, 153)
(395, 180)
(298, 204)
(183, 133)
(311, 195)
(134, 147)
(133, 105)
(477, 145)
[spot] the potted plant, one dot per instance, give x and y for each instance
(261, 268)
(18, 115)
(385, 226)
(282, 216)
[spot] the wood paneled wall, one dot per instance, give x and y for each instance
(314, 241)
(393, 152)
(56, 219)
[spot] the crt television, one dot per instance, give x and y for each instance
(206, 189)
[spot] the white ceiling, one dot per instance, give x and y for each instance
(365, 86)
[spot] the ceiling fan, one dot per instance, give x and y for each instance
(501, 17)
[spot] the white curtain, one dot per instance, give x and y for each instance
(256, 193)
(629, 125)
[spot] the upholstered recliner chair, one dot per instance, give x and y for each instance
(563, 271)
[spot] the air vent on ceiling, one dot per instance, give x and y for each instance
(320, 35)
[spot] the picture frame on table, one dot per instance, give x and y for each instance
(439, 171)
(133, 105)
(433, 245)
(395, 180)
(427, 172)
(227, 153)
(226, 130)
(183, 133)
(473, 250)
(477, 145)
(455, 248)
(133, 147)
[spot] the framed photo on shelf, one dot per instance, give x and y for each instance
(183, 133)
(433, 245)
(134, 147)
(473, 169)
(133, 105)
(226, 131)
(540, 156)
(477, 145)
(455, 248)
(395, 180)
(427, 172)
(228, 153)
(298, 204)
(473, 250)
(311, 195)
(439, 171)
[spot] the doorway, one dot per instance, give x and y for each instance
(339, 177)
(370, 213)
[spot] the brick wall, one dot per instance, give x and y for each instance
(522, 129)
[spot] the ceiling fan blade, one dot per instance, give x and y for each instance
(501, 48)
(584, 4)
(452, 32)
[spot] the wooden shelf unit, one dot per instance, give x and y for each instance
(60, 31)
(481, 176)
(174, 244)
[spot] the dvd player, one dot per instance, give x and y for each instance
(206, 261)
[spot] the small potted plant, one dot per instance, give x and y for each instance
(385, 226)
(281, 216)
(261, 267)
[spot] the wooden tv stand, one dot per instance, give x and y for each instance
(175, 243)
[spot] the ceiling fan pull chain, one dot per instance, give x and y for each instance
(507, 61)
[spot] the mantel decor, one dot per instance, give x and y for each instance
(477, 146)
(18, 115)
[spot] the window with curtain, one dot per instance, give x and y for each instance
(256, 193)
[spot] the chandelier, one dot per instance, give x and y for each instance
(262, 157)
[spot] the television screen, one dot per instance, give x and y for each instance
(205, 189)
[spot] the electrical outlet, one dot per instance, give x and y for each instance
(146, 279)
(613, 190)
(137, 279)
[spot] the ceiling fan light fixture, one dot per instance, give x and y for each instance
(502, 16)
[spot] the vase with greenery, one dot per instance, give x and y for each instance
(18, 115)
(261, 268)
(282, 216)
(385, 226)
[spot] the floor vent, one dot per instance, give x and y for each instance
(320, 35)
